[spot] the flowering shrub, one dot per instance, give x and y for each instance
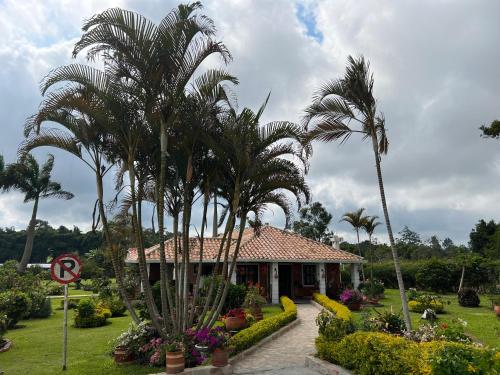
(426, 301)
(155, 351)
(445, 331)
(351, 296)
(385, 321)
(213, 338)
(135, 337)
(339, 310)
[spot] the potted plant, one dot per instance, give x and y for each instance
(495, 301)
(373, 290)
(174, 357)
(254, 301)
(218, 345)
(235, 319)
(352, 299)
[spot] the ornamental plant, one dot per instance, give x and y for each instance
(351, 296)
(154, 352)
(253, 298)
(236, 313)
(468, 297)
(212, 338)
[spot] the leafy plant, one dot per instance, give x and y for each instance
(387, 321)
(426, 301)
(4, 323)
(15, 305)
(468, 297)
(89, 315)
(372, 288)
(351, 296)
(41, 307)
(236, 313)
(332, 327)
(253, 298)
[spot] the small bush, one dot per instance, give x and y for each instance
(4, 323)
(251, 335)
(115, 305)
(72, 303)
(235, 296)
(468, 297)
(54, 289)
(426, 301)
(41, 307)
(338, 309)
(16, 305)
(333, 328)
(373, 288)
(386, 321)
(88, 315)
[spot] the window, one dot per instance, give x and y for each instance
(247, 274)
(308, 274)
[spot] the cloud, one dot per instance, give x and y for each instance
(436, 81)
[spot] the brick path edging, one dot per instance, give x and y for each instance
(324, 367)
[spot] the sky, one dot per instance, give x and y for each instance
(435, 65)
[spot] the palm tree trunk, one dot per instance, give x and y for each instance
(461, 278)
(371, 257)
(30, 236)
(114, 261)
(214, 224)
(397, 267)
(359, 252)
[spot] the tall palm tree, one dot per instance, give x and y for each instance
(344, 107)
(26, 176)
(357, 220)
(369, 225)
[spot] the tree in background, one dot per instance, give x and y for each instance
(26, 176)
(338, 106)
(357, 220)
(492, 131)
(369, 225)
(481, 236)
(313, 223)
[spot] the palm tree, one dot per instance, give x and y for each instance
(369, 225)
(344, 107)
(357, 220)
(26, 176)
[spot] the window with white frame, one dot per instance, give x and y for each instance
(308, 274)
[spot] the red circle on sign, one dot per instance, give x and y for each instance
(59, 262)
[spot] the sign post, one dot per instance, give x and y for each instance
(65, 269)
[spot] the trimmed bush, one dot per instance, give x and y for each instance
(369, 353)
(115, 305)
(468, 297)
(54, 289)
(40, 306)
(16, 305)
(263, 328)
(338, 309)
(72, 303)
(419, 307)
(333, 328)
(88, 315)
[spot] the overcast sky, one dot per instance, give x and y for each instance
(436, 67)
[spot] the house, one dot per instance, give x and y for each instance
(281, 262)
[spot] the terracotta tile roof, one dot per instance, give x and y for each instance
(268, 244)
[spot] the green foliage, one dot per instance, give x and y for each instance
(420, 305)
(372, 288)
(468, 297)
(253, 334)
(437, 276)
(72, 303)
(332, 327)
(54, 289)
(16, 305)
(492, 131)
(253, 298)
(385, 321)
(41, 307)
(340, 311)
(313, 223)
(89, 315)
(235, 297)
(115, 304)
(4, 324)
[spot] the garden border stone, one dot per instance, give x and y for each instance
(324, 367)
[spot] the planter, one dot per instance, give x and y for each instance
(122, 355)
(5, 345)
(496, 308)
(356, 306)
(235, 324)
(175, 362)
(220, 357)
(202, 349)
(256, 312)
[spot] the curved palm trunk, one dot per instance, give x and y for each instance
(371, 257)
(30, 236)
(114, 261)
(397, 267)
(461, 278)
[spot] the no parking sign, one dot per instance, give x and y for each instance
(65, 269)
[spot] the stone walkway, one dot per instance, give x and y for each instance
(286, 354)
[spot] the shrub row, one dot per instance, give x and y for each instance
(338, 309)
(263, 328)
(439, 275)
(420, 307)
(381, 353)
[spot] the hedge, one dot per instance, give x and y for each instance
(381, 353)
(419, 307)
(338, 309)
(263, 328)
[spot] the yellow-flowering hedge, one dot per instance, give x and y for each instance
(263, 328)
(338, 309)
(380, 353)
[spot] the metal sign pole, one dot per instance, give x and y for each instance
(65, 327)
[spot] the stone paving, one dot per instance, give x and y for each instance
(286, 354)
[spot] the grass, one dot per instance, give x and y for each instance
(37, 348)
(482, 325)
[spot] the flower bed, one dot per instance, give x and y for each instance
(338, 309)
(253, 334)
(381, 353)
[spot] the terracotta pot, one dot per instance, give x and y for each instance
(496, 308)
(256, 312)
(175, 362)
(354, 306)
(122, 355)
(234, 323)
(220, 357)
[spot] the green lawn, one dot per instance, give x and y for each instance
(483, 325)
(37, 348)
